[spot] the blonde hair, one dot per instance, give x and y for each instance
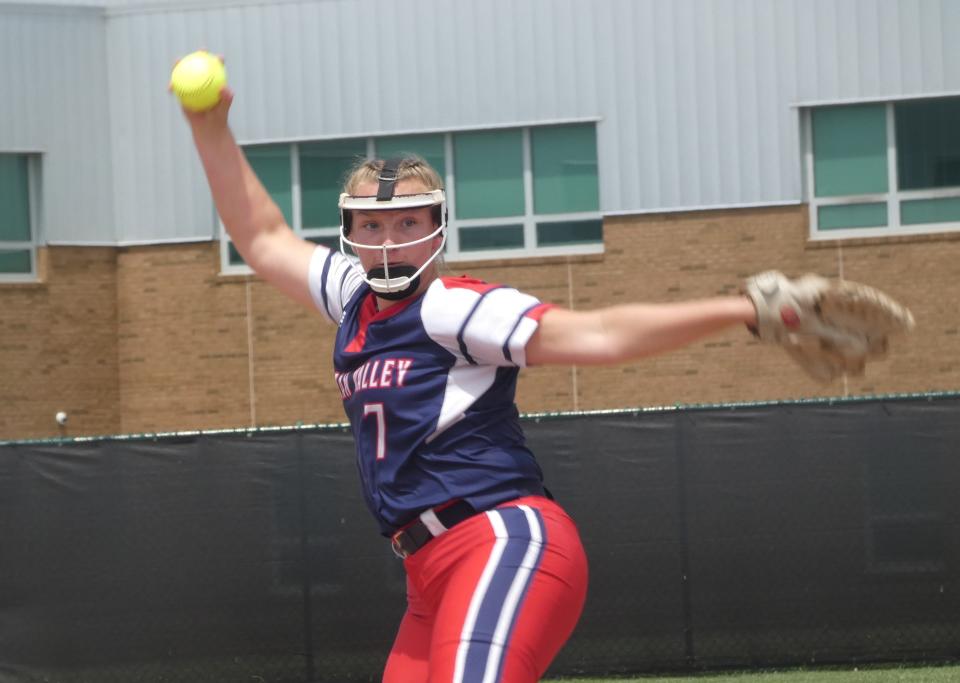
(412, 167)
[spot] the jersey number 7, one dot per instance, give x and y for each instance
(377, 409)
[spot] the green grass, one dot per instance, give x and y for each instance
(900, 674)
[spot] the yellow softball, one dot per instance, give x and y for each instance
(197, 80)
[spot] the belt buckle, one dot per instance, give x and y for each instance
(397, 547)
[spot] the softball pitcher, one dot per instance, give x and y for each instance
(427, 369)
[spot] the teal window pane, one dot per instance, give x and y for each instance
(18, 262)
(271, 163)
(928, 143)
(233, 255)
(569, 232)
(918, 211)
(14, 199)
(565, 169)
(491, 237)
(489, 174)
(852, 216)
(849, 150)
(329, 241)
(324, 167)
(430, 147)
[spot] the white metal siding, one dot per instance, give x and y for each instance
(694, 97)
(53, 80)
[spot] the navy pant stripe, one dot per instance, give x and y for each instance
(522, 530)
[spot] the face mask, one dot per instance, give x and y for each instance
(399, 280)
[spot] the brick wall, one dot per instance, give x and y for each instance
(152, 338)
(181, 340)
(58, 347)
(679, 256)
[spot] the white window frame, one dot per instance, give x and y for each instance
(529, 220)
(892, 198)
(227, 268)
(33, 200)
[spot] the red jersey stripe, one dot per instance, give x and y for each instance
(369, 314)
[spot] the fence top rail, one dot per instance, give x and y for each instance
(529, 417)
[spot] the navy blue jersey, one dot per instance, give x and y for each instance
(428, 386)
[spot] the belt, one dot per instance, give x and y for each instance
(428, 525)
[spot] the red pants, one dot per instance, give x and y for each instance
(493, 599)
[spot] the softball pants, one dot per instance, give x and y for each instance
(493, 599)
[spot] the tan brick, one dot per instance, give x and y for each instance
(154, 339)
(58, 347)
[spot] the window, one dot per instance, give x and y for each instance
(18, 218)
(511, 192)
(883, 168)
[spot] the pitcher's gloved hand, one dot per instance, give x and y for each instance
(829, 328)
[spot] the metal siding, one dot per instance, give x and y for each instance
(527, 64)
(745, 115)
(769, 137)
(946, 38)
(619, 134)
(784, 41)
(668, 110)
(913, 62)
(45, 5)
(53, 65)
(728, 96)
(868, 45)
(694, 97)
(932, 51)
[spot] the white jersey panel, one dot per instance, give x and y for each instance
(465, 384)
(333, 279)
(479, 323)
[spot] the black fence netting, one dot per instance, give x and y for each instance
(769, 534)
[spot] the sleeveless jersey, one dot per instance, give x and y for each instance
(428, 386)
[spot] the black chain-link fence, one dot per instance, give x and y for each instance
(777, 534)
